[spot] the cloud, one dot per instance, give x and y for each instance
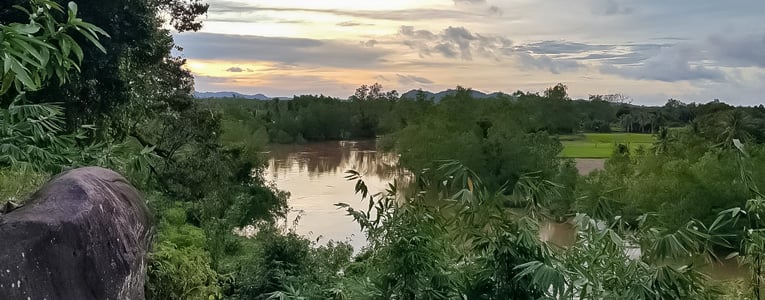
(617, 58)
(671, 64)
(409, 31)
(560, 47)
(462, 38)
(349, 24)
(738, 51)
(238, 70)
(610, 8)
(692, 61)
(274, 84)
(469, 1)
(447, 50)
(544, 62)
(289, 51)
(453, 42)
(370, 43)
(411, 79)
(495, 11)
(391, 15)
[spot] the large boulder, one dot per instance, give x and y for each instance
(84, 235)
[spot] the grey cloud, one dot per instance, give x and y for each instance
(470, 1)
(289, 51)
(693, 61)
(616, 54)
(411, 79)
(738, 51)
(235, 70)
(211, 79)
(601, 56)
(610, 8)
(349, 24)
(370, 43)
(453, 42)
(560, 47)
(670, 38)
(671, 64)
(446, 50)
(458, 42)
(496, 11)
(463, 39)
(417, 34)
(544, 62)
(617, 59)
(393, 15)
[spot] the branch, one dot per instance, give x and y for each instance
(146, 143)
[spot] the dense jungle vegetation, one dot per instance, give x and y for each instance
(96, 84)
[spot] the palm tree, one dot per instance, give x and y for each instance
(734, 124)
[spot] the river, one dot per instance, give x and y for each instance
(314, 174)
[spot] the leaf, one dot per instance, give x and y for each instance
(7, 82)
(739, 145)
(25, 28)
(147, 150)
(72, 10)
(92, 39)
(22, 75)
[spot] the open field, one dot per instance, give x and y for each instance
(601, 145)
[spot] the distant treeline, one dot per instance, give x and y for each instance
(372, 112)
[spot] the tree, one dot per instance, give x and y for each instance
(618, 98)
(558, 92)
(136, 76)
(373, 92)
(33, 54)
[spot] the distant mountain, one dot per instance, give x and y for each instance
(230, 95)
(440, 95)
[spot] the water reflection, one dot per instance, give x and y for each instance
(314, 175)
(331, 158)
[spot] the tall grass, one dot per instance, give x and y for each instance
(17, 184)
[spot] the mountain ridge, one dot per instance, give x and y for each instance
(412, 94)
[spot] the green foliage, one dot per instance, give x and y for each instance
(275, 264)
(601, 264)
(34, 52)
(310, 118)
(483, 134)
(450, 238)
(180, 265)
(32, 135)
(681, 182)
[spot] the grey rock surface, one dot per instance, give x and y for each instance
(84, 235)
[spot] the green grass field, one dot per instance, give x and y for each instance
(601, 145)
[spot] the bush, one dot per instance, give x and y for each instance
(179, 265)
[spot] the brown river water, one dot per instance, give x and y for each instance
(314, 175)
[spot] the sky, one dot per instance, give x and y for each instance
(649, 50)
